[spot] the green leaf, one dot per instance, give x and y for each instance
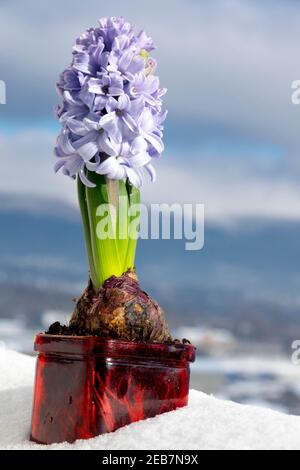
(134, 198)
(122, 223)
(86, 229)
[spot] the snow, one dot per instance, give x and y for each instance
(207, 423)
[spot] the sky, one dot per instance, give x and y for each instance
(232, 135)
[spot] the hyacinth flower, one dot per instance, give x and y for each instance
(112, 116)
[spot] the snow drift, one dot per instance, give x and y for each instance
(207, 423)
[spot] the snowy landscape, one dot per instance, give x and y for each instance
(207, 422)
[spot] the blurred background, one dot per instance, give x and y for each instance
(232, 142)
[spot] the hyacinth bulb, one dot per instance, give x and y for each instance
(120, 310)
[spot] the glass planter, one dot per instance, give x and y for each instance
(86, 386)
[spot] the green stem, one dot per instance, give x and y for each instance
(110, 247)
(105, 251)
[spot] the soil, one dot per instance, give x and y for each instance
(64, 330)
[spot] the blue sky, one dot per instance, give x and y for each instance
(232, 137)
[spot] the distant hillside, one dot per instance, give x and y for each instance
(245, 279)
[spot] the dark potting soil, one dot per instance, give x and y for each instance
(63, 330)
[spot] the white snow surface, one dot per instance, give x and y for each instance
(207, 423)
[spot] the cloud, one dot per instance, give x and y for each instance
(27, 166)
(230, 194)
(228, 64)
(231, 188)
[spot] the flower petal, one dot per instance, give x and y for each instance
(115, 91)
(139, 145)
(88, 151)
(58, 165)
(93, 166)
(137, 107)
(109, 122)
(87, 147)
(107, 145)
(155, 141)
(65, 144)
(152, 84)
(139, 160)
(92, 123)
(95, 86)
(130, 122)
(124, 102)
(126, 59)
(73, 164)
(100, 102)
(82, 62)
(112, 104)
(69, 98)
(87, 97)
(133, 177)
(77, 127)
(136, 65)
(112, 167)
(84, 179)
(151, 171)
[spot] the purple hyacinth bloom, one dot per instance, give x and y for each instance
(121, 115)
(111, 105)
(70, 80)
(129, 162)
(92, 138)
(113, 27)
(104, 88)
(88, 52)
(149, 130)
(129, 63)
(145, 86)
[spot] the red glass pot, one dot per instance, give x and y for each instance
(86, 386)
